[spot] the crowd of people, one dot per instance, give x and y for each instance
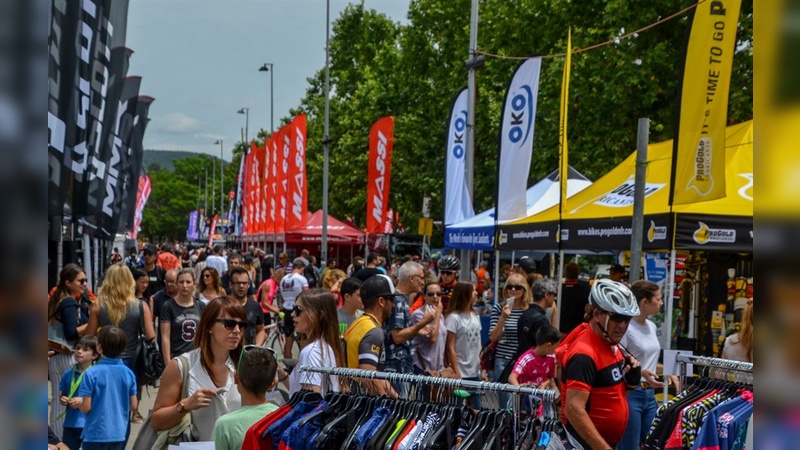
(207, 311)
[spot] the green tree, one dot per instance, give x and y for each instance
(171, 200)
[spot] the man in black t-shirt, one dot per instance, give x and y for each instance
(155, 272)
(574, 298)
(371, 269)
(159, 298)
(240, 281)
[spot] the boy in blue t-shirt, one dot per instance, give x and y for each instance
(109, 394)
(85, 356)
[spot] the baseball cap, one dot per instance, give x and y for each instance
(527, 264)
(151, 248)
(378, 286)
(300, 261)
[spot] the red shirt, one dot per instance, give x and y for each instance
(534, 369)
(593, 365)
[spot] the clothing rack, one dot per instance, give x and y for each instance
(456, 383)
(711, 363)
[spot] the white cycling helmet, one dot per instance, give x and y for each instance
(614, 297)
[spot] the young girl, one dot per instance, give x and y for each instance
(315, 316)
(85, 356)
(463, 346)
(142, 282)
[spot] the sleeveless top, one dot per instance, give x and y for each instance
(203, 419)
(129, 324)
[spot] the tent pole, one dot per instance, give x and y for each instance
(668, 304)
(87, 261)
(496, 274)
(513, 257)
(560, 284)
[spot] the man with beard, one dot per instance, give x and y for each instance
(240, 282)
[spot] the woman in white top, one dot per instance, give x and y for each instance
(211, 391)
(463, 347)
(739, 346)
(314, 315)
(209, 286)
(641, 340)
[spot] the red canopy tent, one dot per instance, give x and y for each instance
(339, 233)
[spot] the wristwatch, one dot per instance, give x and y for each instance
(181, 407)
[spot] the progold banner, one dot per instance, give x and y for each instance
(699, 151)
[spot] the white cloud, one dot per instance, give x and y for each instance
(177, 122)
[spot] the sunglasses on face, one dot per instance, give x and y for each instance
(230, 324)
(249, 347)
(81, 281)
(434, 294)
(618, 317)
(297, 311)
(240, 283)
(446, 272)
(515, 287)
(206, 275)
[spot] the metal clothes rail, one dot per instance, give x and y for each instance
(713, 363)
(482, 386)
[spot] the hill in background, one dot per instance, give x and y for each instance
(155, 160)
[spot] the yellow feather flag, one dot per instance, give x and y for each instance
(699, 147)
(563, 161)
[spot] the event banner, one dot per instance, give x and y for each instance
(283, 139)
(516, 139)
(615, 233)
(272, 177)
(265, 216)
(699, 148)
(237, 201)
(379, 173)
(65, 26)
(134, 166)
(191, 230)
(93, 65)
(297, 186)
(142, 194)
(258, 169)
(714, 233)
(247, 206)
(457, 201)
(105, 204)
(212, 231)
(563, 154)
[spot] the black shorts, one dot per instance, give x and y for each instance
(267, 318)
(288, 323)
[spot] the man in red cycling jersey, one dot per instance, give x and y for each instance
(595, 372)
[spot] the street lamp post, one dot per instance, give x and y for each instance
(270, 69)
(221, 182)
(326, 140)
(246, 112)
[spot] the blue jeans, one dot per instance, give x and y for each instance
(72, 437)
(641, 412)
(499, 365)
(104, 446)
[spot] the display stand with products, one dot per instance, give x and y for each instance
(713, 410)
(421, 418)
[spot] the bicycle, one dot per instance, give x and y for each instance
(276, 338)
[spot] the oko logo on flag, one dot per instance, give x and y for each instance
(521, 117)
(459, 126)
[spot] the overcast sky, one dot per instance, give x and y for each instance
(200, 60)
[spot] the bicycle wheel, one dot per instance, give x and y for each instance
(276, 342)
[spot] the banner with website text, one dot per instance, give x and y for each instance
(516, 139)
(297, 186)
(457, 201)
(379, 173)
(699, 149)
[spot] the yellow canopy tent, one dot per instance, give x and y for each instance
(599, 218)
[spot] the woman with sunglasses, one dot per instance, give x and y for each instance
(62, 309)
(179, 318)
(209, 286)
(314, 315)
(514, 300)
(430, 341)
(211, 392)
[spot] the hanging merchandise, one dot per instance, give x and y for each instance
(713, 412)
(435, 415)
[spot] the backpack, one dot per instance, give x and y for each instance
(311, 276)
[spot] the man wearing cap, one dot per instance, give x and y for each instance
(398, 329)
(291, 286)
(155, 272)
(364, 338)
